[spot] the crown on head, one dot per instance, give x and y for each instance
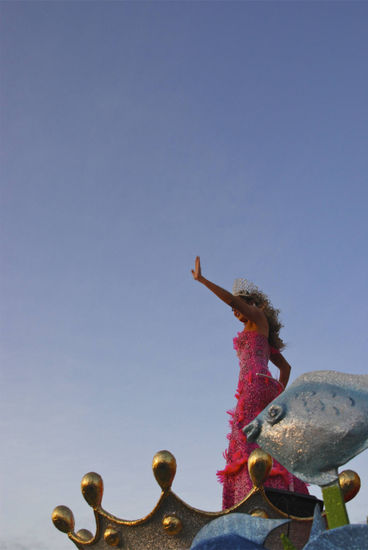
(243, 287)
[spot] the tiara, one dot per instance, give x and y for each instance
(242, 287)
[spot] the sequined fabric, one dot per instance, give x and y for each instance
(256, 389)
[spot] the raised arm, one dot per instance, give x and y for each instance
(252, 313)
(280, 362)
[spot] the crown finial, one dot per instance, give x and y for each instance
(92, 489)
(164, 469)
(259, 466)
(63, 519)
(84, 535)
(349, 482)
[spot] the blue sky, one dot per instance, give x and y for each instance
(134, 137)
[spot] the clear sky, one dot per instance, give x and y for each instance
(136, 135)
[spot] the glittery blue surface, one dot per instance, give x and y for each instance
(318, 525)
(316, 425)
(235, 531)
(228, 542)
(348, 537)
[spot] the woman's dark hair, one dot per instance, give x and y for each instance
(260, 300)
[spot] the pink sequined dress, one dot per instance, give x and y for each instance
(256, 389)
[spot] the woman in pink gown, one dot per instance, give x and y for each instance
(255, 345)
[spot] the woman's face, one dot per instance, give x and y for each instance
(240, 316)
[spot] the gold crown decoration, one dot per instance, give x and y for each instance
(173, 524)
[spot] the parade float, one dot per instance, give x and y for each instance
(281, 440)
(266, 518)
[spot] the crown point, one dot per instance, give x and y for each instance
(63, 519)
(172, 525)
(259, 466)
(164, 469)
(84, 535)
(349, 482)
(112, 536)
(92, 489)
